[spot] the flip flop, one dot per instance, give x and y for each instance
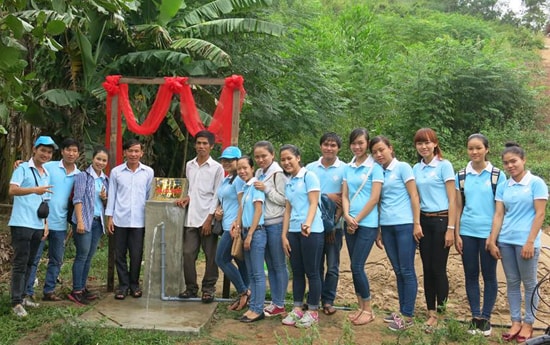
(120, 294)
(329, 309)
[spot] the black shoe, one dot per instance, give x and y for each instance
(246, 319)
(90, 296)
(484, 327)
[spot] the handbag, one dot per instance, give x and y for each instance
(237, 248)
(217, 228)
(43, 209)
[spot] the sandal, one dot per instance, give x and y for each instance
(207, 297)
(188, 294)
(361, 320)
(51, 297)
(120, 294)
(329, 309)
(243, 300)
(137, 293)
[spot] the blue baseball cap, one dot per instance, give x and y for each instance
(231, 152)
(45, 141)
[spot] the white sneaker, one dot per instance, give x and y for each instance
(27, 302)
(309, 319)
(292, 317)
(19, 311)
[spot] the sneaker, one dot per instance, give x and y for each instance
(483, 327)
(19, 311)
(400, 324)
(273, 310)
(28, 302)
(309, 319)
(292, 317)
(90, 296)
(472, 327)
(390, 318)
(78, 298)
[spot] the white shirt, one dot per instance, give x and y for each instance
(204, 181)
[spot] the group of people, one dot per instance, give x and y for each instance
(49, 195)
(275, 211)
(379, 200)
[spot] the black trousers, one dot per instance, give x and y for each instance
(434, 257)
(128, 241)
(25, 243)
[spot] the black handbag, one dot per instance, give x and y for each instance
(43, 209)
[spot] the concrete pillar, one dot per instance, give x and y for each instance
(173, 218)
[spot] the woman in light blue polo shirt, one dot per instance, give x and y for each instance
(436, 187)
(303, 237)
(400, 225)
(474, 216)
(226, 211)
(361, 188)
(90, 199)
(251, 213)
(515, 238)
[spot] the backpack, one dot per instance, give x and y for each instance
(328, 211)
(495, 173)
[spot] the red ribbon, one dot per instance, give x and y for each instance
(221, 124)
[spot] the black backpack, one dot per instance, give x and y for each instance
(495, 173)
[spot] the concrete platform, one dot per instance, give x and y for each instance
(180, 318)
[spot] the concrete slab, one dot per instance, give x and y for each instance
(176, 317)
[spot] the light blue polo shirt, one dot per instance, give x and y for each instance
(519, 213)
(430, 181)
(62, 188)
(395, 201)
(227, 196)
(296, 192)
(24, 208)
(250, 196)
(477, 214)
(354, 176)
(330, 177)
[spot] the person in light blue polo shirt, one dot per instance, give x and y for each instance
(515, 238)
(303, 236)
(400, 228)
(474, 217)
(251, 215)
(435, 181)
(330, 171)
(363, 179)
(29, 185)
(227, 212)
(62, 175)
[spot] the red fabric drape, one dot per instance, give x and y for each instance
(221, 122)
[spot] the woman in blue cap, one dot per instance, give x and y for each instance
(226, 212)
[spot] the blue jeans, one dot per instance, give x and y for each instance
(25, 242)
(275, 259)
(518, 270)
(86, 246)
(56, 250)
(359, 246)
(254, 259)
(34, 267)
(305, 259)
(400, 248)
(329, 280)
(474, 255)
(239, 277)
